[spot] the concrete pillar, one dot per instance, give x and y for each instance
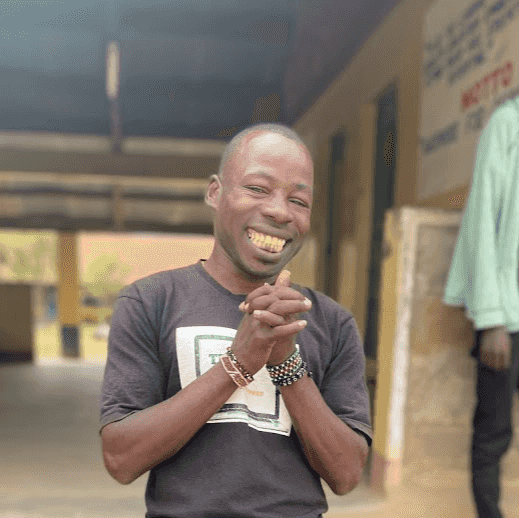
(68, 294)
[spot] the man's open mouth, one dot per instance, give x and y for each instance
(265, 242)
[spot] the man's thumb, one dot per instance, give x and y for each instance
(283, 279)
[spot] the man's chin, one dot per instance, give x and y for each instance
(266, 270)
(268, 273)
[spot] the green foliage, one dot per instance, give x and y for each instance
(106, 275)
(28, 261)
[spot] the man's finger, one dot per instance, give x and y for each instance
(283, 279)
(289, 329)
(279, 293)
(271, 319)
(289, 307)
(498, 361)
(279, 305)
(505, 359)
(487, 359)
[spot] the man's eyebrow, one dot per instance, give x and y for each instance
(303, 187)
(299, 186)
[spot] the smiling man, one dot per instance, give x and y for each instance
(214, 383)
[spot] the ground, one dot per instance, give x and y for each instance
(51, 464)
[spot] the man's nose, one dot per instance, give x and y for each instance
(277, 208)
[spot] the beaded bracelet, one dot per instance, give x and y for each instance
(288, 371)
(233, 371)
(282, 375)
(284, 381)
(287, 366)
(240, 367)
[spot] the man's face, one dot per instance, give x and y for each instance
(263, 213)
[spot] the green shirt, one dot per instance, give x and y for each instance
(484, 271)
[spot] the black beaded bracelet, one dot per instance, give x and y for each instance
(289, 380)
(287, 373)
(287, 366)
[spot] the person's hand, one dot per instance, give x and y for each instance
(261, 330)
(495, 348)
(278, 305)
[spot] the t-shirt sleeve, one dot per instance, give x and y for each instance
(133, 378)
(344, 384)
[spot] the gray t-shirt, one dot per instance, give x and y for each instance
(247, 461)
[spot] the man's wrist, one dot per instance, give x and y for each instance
(279, 360)
(288, 372)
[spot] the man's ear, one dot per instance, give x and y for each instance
(214, 190)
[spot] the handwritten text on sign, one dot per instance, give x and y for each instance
(469, 65)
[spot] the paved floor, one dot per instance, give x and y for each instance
(50, 460)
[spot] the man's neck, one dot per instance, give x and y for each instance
(230, 280)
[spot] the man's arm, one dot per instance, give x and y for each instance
(333, 449)
(140, 441)
(137, 443)
(473, 278)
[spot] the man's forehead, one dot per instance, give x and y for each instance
(274, 145)
(269, 141)
(263, 145)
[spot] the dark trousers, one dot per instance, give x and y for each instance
(492, 429)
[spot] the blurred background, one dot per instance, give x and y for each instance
(107, 262)
(114, 113)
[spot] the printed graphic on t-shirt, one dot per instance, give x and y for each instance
(259, 404)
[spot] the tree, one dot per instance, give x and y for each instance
(28, 258)
(106, 275)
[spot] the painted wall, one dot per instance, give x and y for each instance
(440, 379)
(392, 55)
(440, 383)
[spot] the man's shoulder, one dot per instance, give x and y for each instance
(324, 302)
(159, 282)
(506, 114)
(509, 108)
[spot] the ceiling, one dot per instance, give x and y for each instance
(197, 69)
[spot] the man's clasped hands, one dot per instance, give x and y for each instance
(268, 330)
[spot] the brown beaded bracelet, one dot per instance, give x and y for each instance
(240, 367)
(290, 369)
(233, 371)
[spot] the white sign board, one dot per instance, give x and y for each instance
(470, 65)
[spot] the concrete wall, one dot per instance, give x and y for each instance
(426, 387)
(16, 330)
(391, 56)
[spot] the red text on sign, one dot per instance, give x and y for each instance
(490, 84)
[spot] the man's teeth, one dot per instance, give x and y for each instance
(270, 243)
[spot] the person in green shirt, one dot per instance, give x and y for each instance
(483, 278)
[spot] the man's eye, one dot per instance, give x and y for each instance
(256, 189)
(299, 202)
